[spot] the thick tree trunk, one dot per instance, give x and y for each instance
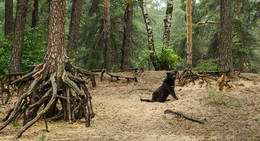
(167, 32)
(35, 16)
(167, 24)
(127, 41)
(189, 35)
(74, 28)
(155, 60)
(8, 17)
(49, 82)
(18, 41)
(107, 36)
(225, 47)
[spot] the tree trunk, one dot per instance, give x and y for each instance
(18, 41)
(189, 35)
(240, 54)
(167, 24)
(225, 47)
(49, 81)
(127, 41)
(35, 16)
(74, 28)
(155, 60)
(8, 17)
(107, 36)
(167, 32)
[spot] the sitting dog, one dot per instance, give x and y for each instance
(161, 94)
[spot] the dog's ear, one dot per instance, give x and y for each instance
(168, 73)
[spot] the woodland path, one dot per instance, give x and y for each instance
(120, 115)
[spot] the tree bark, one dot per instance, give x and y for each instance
(127, 41)
(240, 54)
(225, 47)
(35, 16)
(107, 36)
(189, 34)
(8, 17)
(167, 24)
(74, 28)
(155, 60)
(18, 41)
(167, 33)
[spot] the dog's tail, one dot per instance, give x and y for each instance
(146, 100)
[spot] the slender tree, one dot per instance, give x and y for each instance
(225, 45)
(155, 60)
(167, 24)
(107, 36)
(189, 34)
(18, 41)
(8, 17)
(74, 27)
(35, 16)
(167, 32)
(127, 41)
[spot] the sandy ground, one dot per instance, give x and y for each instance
(120, 115)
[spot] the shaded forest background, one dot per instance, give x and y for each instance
(90, 53)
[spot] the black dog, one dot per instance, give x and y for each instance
(161, 94)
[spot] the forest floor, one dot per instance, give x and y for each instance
(120, 115)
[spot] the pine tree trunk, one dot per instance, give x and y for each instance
(18, 41)
(127, 41)
(225, 47)
(35, 16)
(8, 17)
(107, 36)
(149, 29)
(74, 28)
(189, 34)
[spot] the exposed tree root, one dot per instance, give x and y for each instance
(182, 115)
(40, 94)
(117, 76)
(187, 76)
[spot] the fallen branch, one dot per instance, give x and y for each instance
(182, 115)
(140, 89)
(117, 76)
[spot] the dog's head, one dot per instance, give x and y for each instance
(172, 75)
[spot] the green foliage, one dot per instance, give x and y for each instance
(169, 57)
(5, 53)
(35, 41)
(256, 118)
(33, 51)
(207, 65)
(43, 137)
(216, 97)
(17, 126)
(165, 56)
(169, 122)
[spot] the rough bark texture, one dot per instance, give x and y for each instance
(74, 27)
(35, 16)
(18, 41)
(189, 34)
(225, 46)
(127, 41)
(149, 29)
(8, 17)
(167, 24)
(49, 82)
(107, 36)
